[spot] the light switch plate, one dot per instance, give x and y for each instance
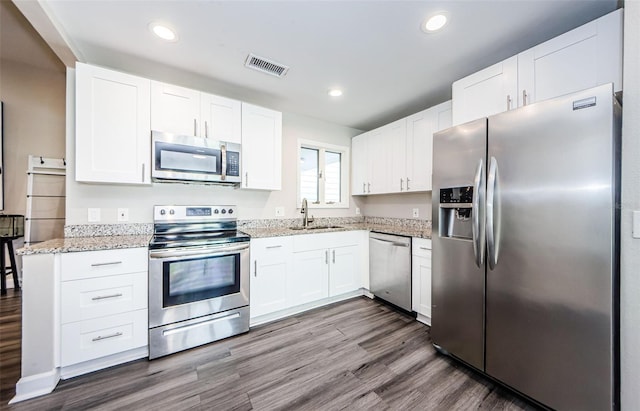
(279, 211)
(357, 210)
(93, 215)
(636, 224)
(416, 212)
(123, 214)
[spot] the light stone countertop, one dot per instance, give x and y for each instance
(90, 242)
(76, 244)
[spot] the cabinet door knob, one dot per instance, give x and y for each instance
(255, 268)
(408, 183)
(508, 102)
(524, 97)
(206, 129)
(401, 184)
(334, 256)
(195, 127)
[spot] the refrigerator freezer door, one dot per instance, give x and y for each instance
(550, 296)
(458, 271)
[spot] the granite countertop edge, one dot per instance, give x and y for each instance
(79, 244)
(113, 242)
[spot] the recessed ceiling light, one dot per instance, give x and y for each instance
(163, 32)
(434, 23)
(335, 92)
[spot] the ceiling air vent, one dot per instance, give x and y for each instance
(266, 66)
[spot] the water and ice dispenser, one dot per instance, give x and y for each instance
(455, 212)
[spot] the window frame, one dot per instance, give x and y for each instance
(345, 179)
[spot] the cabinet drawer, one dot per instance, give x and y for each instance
(421, 247)
(87, 340)
(306, 242)
(92, 264)
(103, 296)
(271, 250)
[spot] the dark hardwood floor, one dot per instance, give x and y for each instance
(355, 355)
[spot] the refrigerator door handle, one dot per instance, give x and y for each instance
(493, 214)
(478, 214)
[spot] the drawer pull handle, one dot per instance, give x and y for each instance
(424, 248)
(100, 337)
(103, 297)
(102, 264)
(273, 246)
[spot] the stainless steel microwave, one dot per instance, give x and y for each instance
(194, 159)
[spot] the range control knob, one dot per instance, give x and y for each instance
(224, 211)
(163, 212)
(172, 211)
(231, 211)
(216, 211)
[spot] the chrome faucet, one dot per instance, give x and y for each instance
(305, 210)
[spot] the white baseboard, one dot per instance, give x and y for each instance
(36, 385)
(278, 315)
(104, 362)
(424, 319)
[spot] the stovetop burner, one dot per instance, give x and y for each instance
(193, 226)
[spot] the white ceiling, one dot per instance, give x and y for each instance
(374, 50)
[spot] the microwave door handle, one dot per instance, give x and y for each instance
(223, 174)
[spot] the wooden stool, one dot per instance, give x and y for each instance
(8, 241)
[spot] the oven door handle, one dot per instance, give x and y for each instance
(204, 252)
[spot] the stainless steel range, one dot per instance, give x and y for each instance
(198, 278)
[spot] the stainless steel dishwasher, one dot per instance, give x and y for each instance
(390, 268)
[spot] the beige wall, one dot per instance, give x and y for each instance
(32, 87)
(630, 247)
(398, 205)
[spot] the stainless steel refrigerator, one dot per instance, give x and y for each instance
(525, 248)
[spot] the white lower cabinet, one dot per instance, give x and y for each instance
(103, 304)
(292, 271)
(421, 278)
(344, 273)
(95, 338)
(270, 264)
(310, 276)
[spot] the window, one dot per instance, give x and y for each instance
(323, 175)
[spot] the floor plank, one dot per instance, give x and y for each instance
(353, 355)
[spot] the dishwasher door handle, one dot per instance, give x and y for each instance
(393, 243)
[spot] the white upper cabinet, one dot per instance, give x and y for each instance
(585, 57)
(379, 161)
(397, 157)
(261, 148)
(184, 111)
(487, 92)
(359, 164)
(221, 118)
(174, 109)
(112, 112)
(395, 143)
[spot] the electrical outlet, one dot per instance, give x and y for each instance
(123, 214)
(357, 210)
(636, 224)
(93, 215)
(416, 213)
(279, 211)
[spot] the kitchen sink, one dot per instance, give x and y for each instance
(315, 227)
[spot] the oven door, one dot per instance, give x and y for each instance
(190, 282)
